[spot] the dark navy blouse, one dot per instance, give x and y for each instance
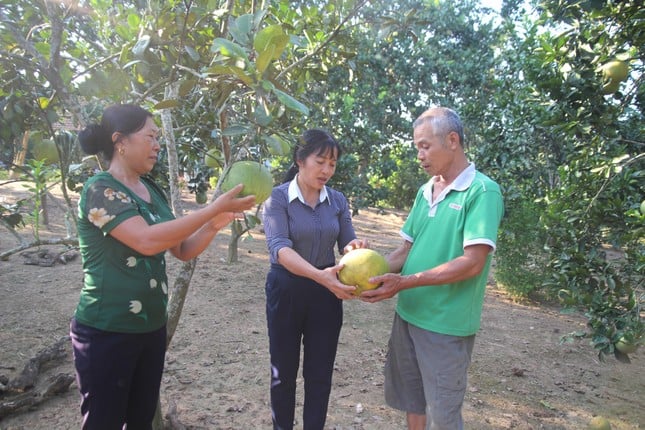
(311, 232)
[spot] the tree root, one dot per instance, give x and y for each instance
(45, 258)
(60, 241)
(27, 378)
(21, 387)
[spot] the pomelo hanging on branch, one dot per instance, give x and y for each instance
(45, 150)
(256, 178)
(214, 158)
(613, 73)
(615, 70)
(359, 266)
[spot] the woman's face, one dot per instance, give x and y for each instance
(317, 169)
(142, 147)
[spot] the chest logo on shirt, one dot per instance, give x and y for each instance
(455, 206)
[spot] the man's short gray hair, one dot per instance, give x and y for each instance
(443, 121)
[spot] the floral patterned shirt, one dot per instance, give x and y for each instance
(124, 291)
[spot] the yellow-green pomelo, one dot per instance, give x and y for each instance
(45, 150)
(610, 87)
(643, 207)
(256, 178)
(599, 423)
(201, 197)
(359, 266)
(615, 70)
(213, 158)
(625, 346)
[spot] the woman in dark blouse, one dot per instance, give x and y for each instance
(304, 220)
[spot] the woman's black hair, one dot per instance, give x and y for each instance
(121, 118)
(312, 141)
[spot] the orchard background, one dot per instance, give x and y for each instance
(551, 94)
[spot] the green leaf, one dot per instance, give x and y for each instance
(42, 48)
(240, 28)
(235, 130)
(263, 60)
(272, 39)
(194, 55)
(267, 85)
(291, 102)
(167, 104)
(274, 145)
(186, 86)
(134, 21)
(262, 115)
(252, 220)
(228, 48)
(231, 71)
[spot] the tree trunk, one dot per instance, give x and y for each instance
(44, 217)
(232, 247)
(177, 295)
(19, 158)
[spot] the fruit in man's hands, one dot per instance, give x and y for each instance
(256, 178)
(359, 266)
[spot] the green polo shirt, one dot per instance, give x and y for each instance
(468, 212)
(124, 291)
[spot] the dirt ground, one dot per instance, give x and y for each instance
(217, 368)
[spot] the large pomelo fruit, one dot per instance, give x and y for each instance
(615, 70)
(45, 150)
(625, 346)
(214, 158)
(256, 178)
(359, 266)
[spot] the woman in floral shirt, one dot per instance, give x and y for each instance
(125, 225)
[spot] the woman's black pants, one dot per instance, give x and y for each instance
(301, 311)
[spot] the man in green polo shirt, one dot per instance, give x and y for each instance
(439, 273)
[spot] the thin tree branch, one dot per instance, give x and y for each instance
(324, 44)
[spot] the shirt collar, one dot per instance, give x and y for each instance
(461, 182)
(295, 193)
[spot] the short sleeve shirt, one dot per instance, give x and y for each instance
(467, 213)
(124, 291)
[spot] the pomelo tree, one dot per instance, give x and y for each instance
(588, 206)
